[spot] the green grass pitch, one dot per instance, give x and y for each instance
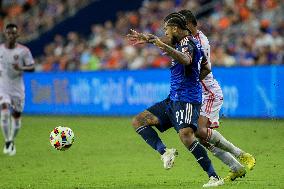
(107, 153)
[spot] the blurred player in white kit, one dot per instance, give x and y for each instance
(14, 60)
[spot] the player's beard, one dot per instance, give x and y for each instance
(174, 40)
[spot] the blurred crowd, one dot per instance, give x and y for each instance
(36, 16)
(241, 32)
(246, 32)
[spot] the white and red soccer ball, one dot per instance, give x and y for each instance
(61, 138)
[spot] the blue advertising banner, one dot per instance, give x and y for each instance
(95, 93)
(252, 91)
(248, 91)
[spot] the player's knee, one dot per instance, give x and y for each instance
(16, 115)
(203, 122)
(187, 136)
(138, 121)
(197, 134)
(135, 123)
(145, 118)
(201, 133)
(4, 106)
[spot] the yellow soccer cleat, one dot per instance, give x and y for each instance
(233, 175)
(248, 160)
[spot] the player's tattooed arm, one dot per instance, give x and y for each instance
(181, 57)
(141, 38)
(146, 118)
(136, 37)
(166, 40)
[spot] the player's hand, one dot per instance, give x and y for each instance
(136, 37)
(155, 40)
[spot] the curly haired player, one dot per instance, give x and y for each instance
(182, 107)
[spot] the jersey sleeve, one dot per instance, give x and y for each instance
(28, 58)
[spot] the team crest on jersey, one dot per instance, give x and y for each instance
(16, 57)
(173, 63)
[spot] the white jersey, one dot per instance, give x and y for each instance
(212, 97)
(11, 80)
(209, 85)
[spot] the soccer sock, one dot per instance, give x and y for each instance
(215, 138)
(226, 158)
(202, 158)
(16, 125)
(5, 123)
(152, 138)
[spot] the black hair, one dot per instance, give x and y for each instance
(11, 25)
(189, 16)
(176, 19)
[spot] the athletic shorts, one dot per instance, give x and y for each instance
(210, 108)
(175, 114)
(15, 102)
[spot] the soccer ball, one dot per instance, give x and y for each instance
(61, 138)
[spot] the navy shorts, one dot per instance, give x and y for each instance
(175, 114)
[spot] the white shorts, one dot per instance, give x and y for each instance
(17, 103)
(210, 108)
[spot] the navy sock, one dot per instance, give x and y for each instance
(202, 158)
(152, 138)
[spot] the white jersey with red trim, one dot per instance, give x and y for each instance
(209, 84)
(212, 95)
(11, 80)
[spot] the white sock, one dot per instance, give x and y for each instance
(5, 123)
(215, 138)
(16, 125)
(226, 158)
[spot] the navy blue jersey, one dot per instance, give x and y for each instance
(185, 85)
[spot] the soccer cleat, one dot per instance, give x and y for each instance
(12, 151)
(5, 150)
(248, 160)
(233, 175)
(213, 182)
(7, 147)
(169, 157)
